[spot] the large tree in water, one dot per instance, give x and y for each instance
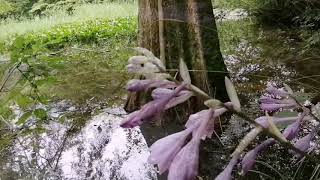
(182, 29)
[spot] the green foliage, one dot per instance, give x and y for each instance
(5, 8)
(284, 12)
(95, 31)
(47, 67)
(82, 13)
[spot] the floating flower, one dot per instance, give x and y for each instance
(185, 165)
(164, 150)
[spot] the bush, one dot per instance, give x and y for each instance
(286, 12)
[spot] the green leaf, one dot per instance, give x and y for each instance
(24, 118)
(24, 101)
(40, 113)
(184, 72)
(301, 97)
(232, 93)
(286, 114)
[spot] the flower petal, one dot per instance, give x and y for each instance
(164, 150)
(277, 92)
(226, 174)
(185, 164)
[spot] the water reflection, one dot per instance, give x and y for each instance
(101, 150)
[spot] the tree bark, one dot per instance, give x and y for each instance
(182, 29)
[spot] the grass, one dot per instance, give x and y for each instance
(230, 4)
(13, 27)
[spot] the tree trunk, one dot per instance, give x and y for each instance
(175, 29)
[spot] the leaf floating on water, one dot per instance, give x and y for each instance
(232, 93)
(184, 72)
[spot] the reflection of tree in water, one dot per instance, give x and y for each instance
(101, 150)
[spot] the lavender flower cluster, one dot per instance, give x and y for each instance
(179, 153)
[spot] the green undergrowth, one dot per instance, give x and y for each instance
(19, 25)
(81, 62)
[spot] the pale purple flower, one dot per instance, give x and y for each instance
(160, 93)
(149, 110)
(142, 69)
(146, 113)
(273, 103)
(185, 165)
(249, 160)
(199, 123)
(275, 107)
(209, 130)
(143, 85)
(164, 150)
(289, 133)
(178, 99)
(263, 120)
(277, 92)
(138, 60)
(203, 122)
(304, 143)
(182, 97)
(270, 100)
(292, 130)
(195, 120)
(226, 174)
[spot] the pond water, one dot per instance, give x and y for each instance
(83, 139)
